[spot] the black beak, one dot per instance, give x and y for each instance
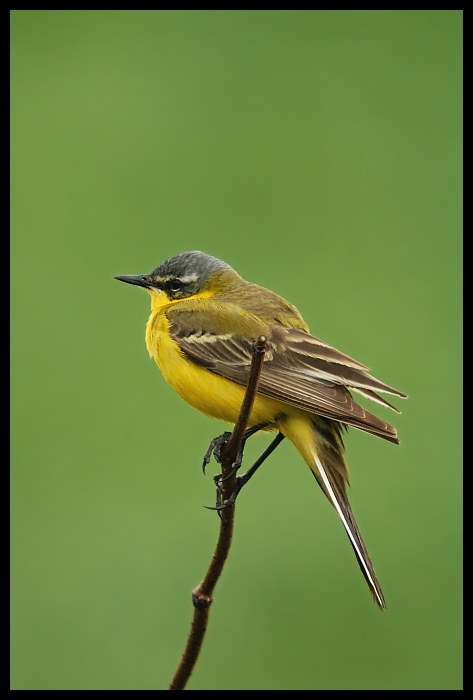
(139, 280)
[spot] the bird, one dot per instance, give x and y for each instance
(203, 322)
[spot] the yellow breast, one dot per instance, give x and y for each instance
(205, 391)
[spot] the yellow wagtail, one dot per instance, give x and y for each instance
(204, 318)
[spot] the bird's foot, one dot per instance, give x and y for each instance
(222, 505)
(217, 444)
(215, 449)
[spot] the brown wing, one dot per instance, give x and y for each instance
(298, 369)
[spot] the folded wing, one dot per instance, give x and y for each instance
(299, 369)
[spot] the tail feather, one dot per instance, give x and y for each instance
(332, 475)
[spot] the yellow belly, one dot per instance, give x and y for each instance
(205, 391)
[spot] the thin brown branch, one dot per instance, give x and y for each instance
(202, 595)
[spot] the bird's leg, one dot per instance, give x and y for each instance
(217, 443)
(239, 458)
(215, 448)
(244, 478)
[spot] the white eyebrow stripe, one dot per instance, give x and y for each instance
(188, 278)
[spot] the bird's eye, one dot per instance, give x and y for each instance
(175, 286)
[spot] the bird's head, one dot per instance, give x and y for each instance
(186, 275)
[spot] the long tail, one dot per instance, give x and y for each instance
(323, 452)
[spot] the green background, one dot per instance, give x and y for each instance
(319, 153)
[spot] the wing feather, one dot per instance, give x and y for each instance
(298, 369)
